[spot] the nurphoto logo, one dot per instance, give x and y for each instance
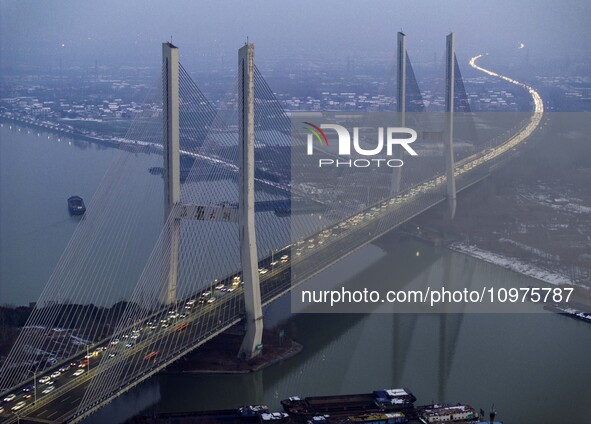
(395, 136)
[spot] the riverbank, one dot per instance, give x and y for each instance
(66, 131)
(512, 264)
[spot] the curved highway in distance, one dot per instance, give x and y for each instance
(537, 112)
(143, 342)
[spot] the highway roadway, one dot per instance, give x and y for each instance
(195, 319)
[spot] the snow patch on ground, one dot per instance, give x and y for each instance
(573, 207)
(512, 264)
(560, 203)
(529, 249)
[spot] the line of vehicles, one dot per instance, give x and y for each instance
(217, 289)
(173, 317)
(462, 167)
(177, 316)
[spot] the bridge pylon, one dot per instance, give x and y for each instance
(172, 172)
(401, 105)
(448, 149)
(251, 344)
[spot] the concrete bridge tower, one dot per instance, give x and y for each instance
(401, 104)
(448, 148)
(172, 172)
(248, 243)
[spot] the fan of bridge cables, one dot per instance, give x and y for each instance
(86, 292)
(208, 249)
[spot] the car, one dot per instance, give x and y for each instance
(83, 363)
(10, 397)
(219, 286)
(231, 289)
(29, 388)
(56, 374)
(206, 293)
(73, 364)
(64, 368)
(182, 316)
(150, 355)
(190, 302)
(18, 406)
(211, 300)
(112, 355)
(129, 345)
(114, 342)
(28, 395)
(135, 336)
(263, 270)
(78, 372)
(284, 258)
(1, 410)
(164, 325)
(274, 263)
(45, 379)
(48, 390)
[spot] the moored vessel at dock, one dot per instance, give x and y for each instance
(389, 400)
(390, 406)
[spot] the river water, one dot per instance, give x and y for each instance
(533, 366)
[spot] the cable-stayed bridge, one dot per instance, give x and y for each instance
(207, 274)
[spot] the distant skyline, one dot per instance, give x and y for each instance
(130, 32)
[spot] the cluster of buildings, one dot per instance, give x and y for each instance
(83, 109)
(88, 97)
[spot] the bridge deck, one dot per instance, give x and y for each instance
(117, 369)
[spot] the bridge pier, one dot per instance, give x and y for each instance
(172, 173)
(248, 244)
(448, 149)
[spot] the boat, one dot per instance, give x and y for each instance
(76, 205)
(379, 401)
(389, 406)
(448, 413)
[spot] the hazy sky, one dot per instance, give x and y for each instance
(80, 32)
